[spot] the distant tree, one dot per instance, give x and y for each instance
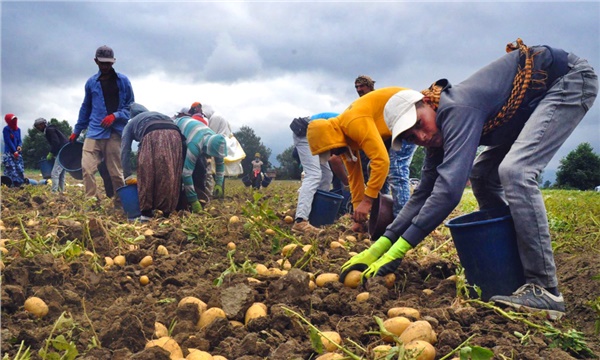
(417, 162)
(252, 145)
(35, 145)
(580, 169)
(547, 184)
(290, 168)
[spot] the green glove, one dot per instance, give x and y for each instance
(218, 192)
(50, 156)
(196, 207)
(389, 262)
(362, 261)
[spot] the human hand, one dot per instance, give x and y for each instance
(130, 180)
(50, 156)
(389, 262)
(218, 192)
(359, 227)
(73, 137)
(196, 207)
(362, 260)
(361, 213)
(16, 154)
(18, 148)
(108, 121)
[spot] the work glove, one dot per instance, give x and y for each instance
(108, 121)
(130, 180)
(16, 154)
(365, 258)
(196, 207)
(50, 156)
(389, 262)
(218, 192)
(73, 137)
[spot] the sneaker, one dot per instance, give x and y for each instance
(304, 227)
(532, 297)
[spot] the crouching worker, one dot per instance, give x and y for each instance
(159, 163)
(201, 142)
(57, 140)
(522, 107)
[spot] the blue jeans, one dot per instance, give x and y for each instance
(316, 177)
(506, 174)
(399, 175)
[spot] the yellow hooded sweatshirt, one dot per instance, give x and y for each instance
(361, 127)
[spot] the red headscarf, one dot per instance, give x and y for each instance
(11, 120)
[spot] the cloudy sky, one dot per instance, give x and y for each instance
(263, 63)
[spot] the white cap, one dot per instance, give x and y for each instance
(400, 113)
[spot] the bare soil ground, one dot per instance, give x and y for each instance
(114, 315)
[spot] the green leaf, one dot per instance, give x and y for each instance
(315, 341)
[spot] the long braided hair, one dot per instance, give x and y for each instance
(523, 80)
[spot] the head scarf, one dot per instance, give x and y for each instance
(137, 109)
(11, 120)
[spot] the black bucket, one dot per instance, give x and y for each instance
(486, 243)
(7, 181)
(266, 181)
(69, 157)
(246, 180)
(46, 168)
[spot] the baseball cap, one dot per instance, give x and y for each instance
(400, 113)
(105, 54)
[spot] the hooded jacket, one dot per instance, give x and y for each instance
(360, 127)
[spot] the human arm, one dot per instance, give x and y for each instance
(338, 168)
(10, 143)
(85, 111)
(126, 141)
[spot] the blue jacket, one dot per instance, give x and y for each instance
(93, 108)
(12, 139)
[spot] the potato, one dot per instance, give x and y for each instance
(160, 330)
(196, 354)
(162, 250)
(335, 245)
(307, 248)
(36, 306)
(253, 280)
(351, 238)
(334, 337)
(287, 250)
(276, 272)
(256, 310)
(261, 269)
(407, 312)
(210, 315)
(144, 280)
(168, 344)
(418, 330)
(381, 351)
(231, 246)
(330, 356)
(352, 279)
(288, 219)
(146, 261)
(108, 261)
(390, 280)
(362, 297)
(148, 232)
(311, 285)
(234, 220)
(193, 300)
(286, 264)
(420, 350)
(119, 260)
(323, 279)
(396, 325)
(236, 324)
(270, 232)
(2, 265)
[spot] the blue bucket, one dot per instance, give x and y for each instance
(69, 157)
(46, 168)
(129, 198)
(486, 244)
(325, 207)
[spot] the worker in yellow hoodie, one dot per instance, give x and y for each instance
(360, 127)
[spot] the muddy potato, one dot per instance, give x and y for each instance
(236, 324)
(196, 354)
(362, 297)
(210, 315)
(119, 260)
(335, 245)
(160, 330)
(407, 312)
(323, 279)
(421, 349)
(193, 300)
(286, 265)
(168, 344)
(108, 261)
(146, 261)
(381, 351)
(231, 246)
(390, 280)
(307, 248)
(256, 310)
(234, 220)
(418, 330)
(162, 250)
(352, 279)
(286, 250)
(334, 337)
(144, 280)
(288, 219)
(270, 232)
(36, 306)
(311, 285)
(261, 269)
(330, 356)
(396, 325)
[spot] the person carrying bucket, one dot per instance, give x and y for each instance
(57, 140)
(160, 160)
(201, 142)
(12, 159)
(317, 176)
(523, 107)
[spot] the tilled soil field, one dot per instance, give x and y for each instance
(55, 248)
